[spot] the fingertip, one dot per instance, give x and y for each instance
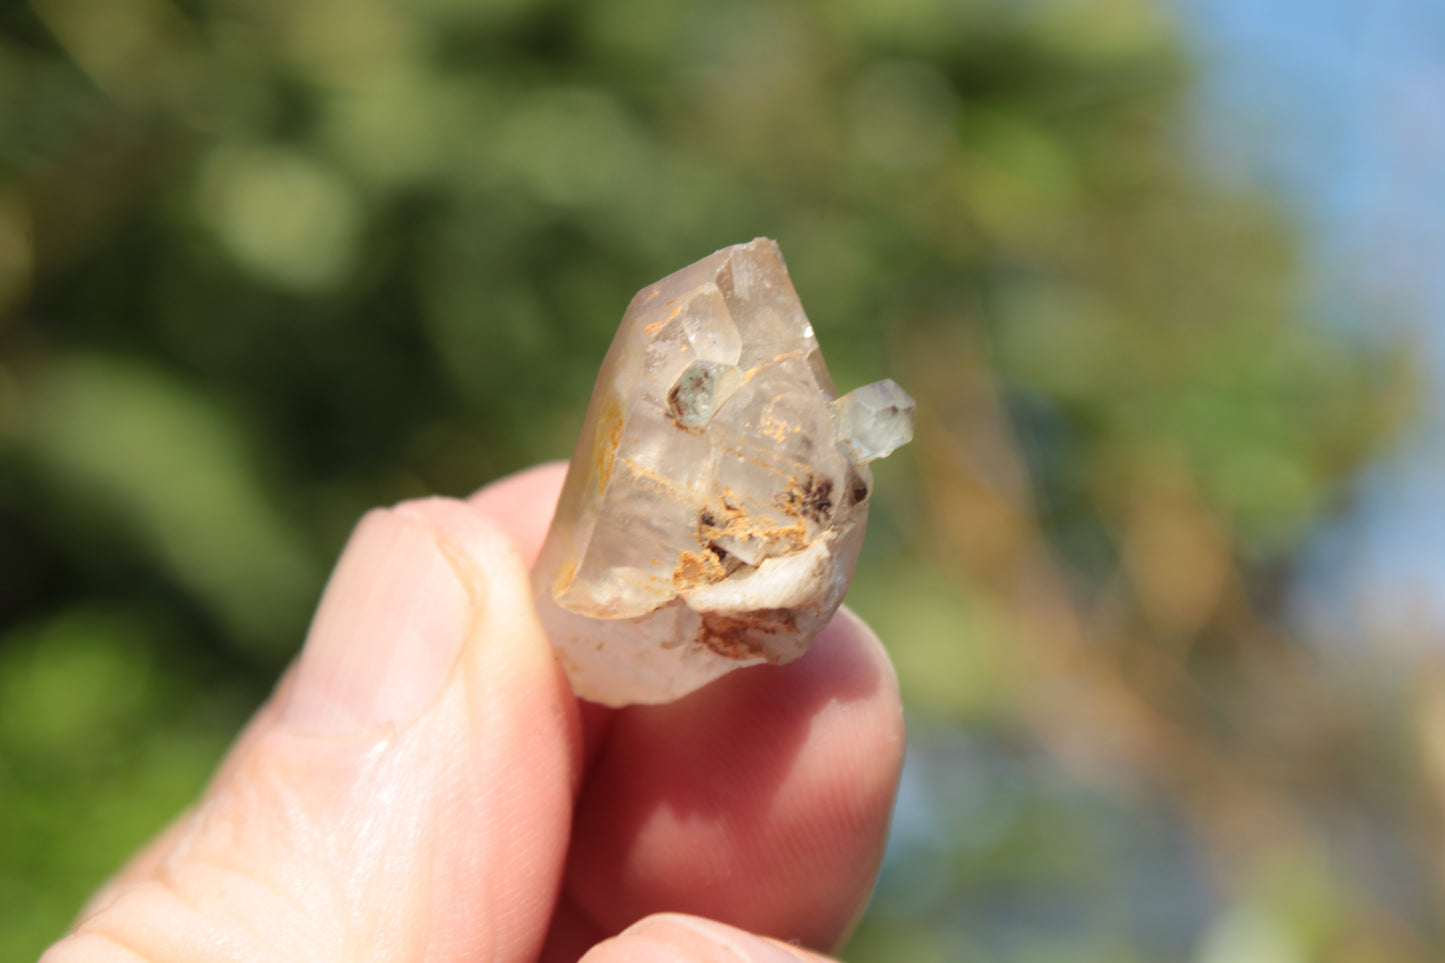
(523, 503)
(677, 937)
(406, 597)
(848, 647)
(857, 650)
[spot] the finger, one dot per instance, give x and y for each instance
(147, 863)
(674, 938)
(762, 800)
(570, 936)
(407, 796)
(522, 504)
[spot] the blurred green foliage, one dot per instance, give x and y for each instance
(267, 263)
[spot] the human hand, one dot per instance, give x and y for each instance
(423, 785)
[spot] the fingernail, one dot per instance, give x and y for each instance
(389, 629)
(701, 940)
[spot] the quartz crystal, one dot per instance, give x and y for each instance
(717, 497)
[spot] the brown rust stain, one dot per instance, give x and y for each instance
(737, 523)
(741, 636)
(730, 519)
(775, 427)
(695, 569)
(810, 497)
(566, 572)
(857, 489)
(773, 362)
(657, 481)
(660, 323)
(606, 440)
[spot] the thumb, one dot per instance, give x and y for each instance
(405, 795)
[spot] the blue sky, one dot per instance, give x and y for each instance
(1338, 108)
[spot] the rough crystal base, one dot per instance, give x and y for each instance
(712, 512)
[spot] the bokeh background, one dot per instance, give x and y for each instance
(1163, 571)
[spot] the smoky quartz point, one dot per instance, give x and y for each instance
(717, 497)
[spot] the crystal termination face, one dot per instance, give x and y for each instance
(717, 497)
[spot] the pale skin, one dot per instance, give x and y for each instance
(423, 786)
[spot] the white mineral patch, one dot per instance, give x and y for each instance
(785, 582)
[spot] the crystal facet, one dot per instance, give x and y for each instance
(717, 497)
(874, 421)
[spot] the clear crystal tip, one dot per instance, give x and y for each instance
(874, 421)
